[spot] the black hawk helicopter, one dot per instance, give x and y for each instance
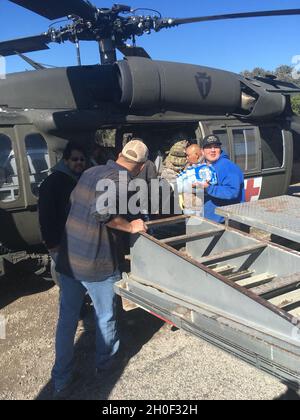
(41, 110)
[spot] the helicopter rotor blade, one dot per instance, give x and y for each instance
(167, 23)
(56, 9)
(24, 45)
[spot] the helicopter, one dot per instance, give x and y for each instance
(42, 110)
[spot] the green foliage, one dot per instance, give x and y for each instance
(257, 72)
(296, 104)
(283, 72)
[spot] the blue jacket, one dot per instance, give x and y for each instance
(229, 189)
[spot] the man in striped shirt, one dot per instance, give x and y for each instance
(87, 259)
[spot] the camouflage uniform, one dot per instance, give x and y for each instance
(175, 162)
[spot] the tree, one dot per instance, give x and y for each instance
(257, 72)
(284, 73)
(296, 104)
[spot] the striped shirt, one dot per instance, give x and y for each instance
(88, 251)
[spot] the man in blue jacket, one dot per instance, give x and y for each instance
(229, 188)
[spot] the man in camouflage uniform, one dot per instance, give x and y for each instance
(175, 162)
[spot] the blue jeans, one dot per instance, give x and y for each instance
(107, 339)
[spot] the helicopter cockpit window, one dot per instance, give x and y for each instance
(245, 149)
(38, 160)
(9, 182)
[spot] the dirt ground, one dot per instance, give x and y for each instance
(26, 355)
(161, 362)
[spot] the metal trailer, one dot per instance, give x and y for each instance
(236, 292)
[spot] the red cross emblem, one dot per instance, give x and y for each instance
(253, 191)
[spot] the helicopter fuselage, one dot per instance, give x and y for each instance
(41, 111)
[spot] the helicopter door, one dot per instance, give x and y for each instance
(34, 159)
(277, 160)
(11, 192)
(264, 154)
(38, 160)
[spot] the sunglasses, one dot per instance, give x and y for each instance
(78, 160)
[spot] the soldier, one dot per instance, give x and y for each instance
(176, 160)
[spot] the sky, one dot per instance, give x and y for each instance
(230, 45)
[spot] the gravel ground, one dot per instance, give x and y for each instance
(162, 363)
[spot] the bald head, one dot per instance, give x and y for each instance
(194, 154)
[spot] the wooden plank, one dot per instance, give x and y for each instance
(277, 284)
(176, 240)
(295, 312)
(234, 253)
(256, 280)
(240, 276)
(287, 299)
(224, 269)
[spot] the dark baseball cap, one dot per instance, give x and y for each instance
(211, 140)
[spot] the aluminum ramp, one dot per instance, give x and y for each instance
(236, 292)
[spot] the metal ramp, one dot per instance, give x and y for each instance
(236, 292)
(278, 216)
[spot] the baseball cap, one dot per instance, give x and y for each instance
(211, 140)
(136, 151)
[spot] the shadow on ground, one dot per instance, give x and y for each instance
(137, 328)
(294, 190)
(15, 286)
(290, 394)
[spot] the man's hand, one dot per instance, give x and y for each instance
(138, 226)
(119, 223)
